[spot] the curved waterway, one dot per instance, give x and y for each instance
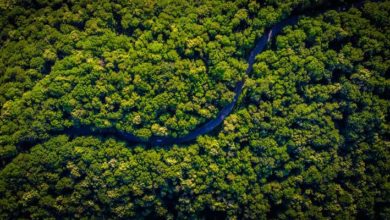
(212, 124)
(205, 128)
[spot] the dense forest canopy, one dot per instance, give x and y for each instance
(307, 139)
(146, 67)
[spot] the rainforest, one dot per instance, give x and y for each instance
(194, 109)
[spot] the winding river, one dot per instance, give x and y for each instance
(205, 128)
(212, 124)
(260, 45)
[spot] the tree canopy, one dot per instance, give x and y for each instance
(308, 138)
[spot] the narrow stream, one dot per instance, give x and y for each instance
(208, 126)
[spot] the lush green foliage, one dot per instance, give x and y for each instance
(146, 67)
(309, 138)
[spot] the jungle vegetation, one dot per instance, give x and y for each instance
(308, 138)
